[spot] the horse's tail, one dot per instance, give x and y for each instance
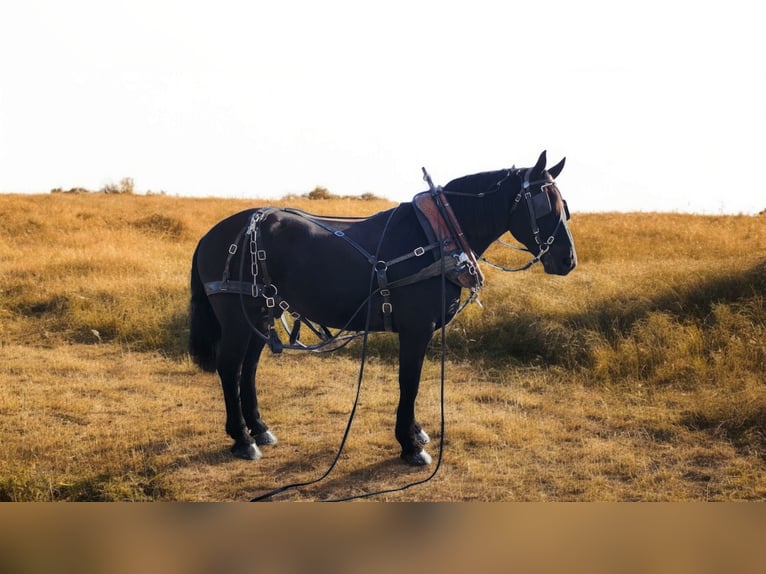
(204, 329)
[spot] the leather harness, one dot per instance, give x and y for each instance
(451, 252)
(441, 226)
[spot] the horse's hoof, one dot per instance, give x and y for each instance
(265, 438)
(422, 437)
(246, 451)
(421, 458)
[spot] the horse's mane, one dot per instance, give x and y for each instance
(481, 213)
(475, 183)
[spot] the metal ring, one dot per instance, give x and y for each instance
(272, 290)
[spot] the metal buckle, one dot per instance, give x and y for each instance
(284, 305)
(261, 255)
(387, 308)
(419, 251)
(385, 292)
(270, 302)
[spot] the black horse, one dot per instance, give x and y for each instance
(378, 273)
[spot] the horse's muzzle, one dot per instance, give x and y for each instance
(557, 263)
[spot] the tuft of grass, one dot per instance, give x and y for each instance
(162, 225)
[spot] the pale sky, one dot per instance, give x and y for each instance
(658, 105)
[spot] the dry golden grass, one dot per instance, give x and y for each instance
(637, 377)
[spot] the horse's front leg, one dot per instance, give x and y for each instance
(412, 351)
(259, 430)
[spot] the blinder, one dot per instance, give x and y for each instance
(541, 204)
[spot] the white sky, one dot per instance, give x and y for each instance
(659, 105)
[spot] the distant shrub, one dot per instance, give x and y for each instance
(71, 190)
(125, 186)
(319, 192)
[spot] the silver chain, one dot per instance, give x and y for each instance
(255, 254)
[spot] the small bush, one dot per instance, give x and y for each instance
(125, 186)
(319, 192)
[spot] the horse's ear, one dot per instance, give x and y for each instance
(540, 165)
(556, 169)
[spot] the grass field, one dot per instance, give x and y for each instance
(637, 377)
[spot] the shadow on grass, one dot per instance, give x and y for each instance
(389, 474)
(564, 339)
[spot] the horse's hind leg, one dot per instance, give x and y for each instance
(259, 430)
(231, 355)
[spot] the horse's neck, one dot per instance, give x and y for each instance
(482, 219)
(480, 243)
(483, 223)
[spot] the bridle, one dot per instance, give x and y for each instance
(538, 206)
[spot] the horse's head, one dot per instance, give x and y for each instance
(539, 218)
